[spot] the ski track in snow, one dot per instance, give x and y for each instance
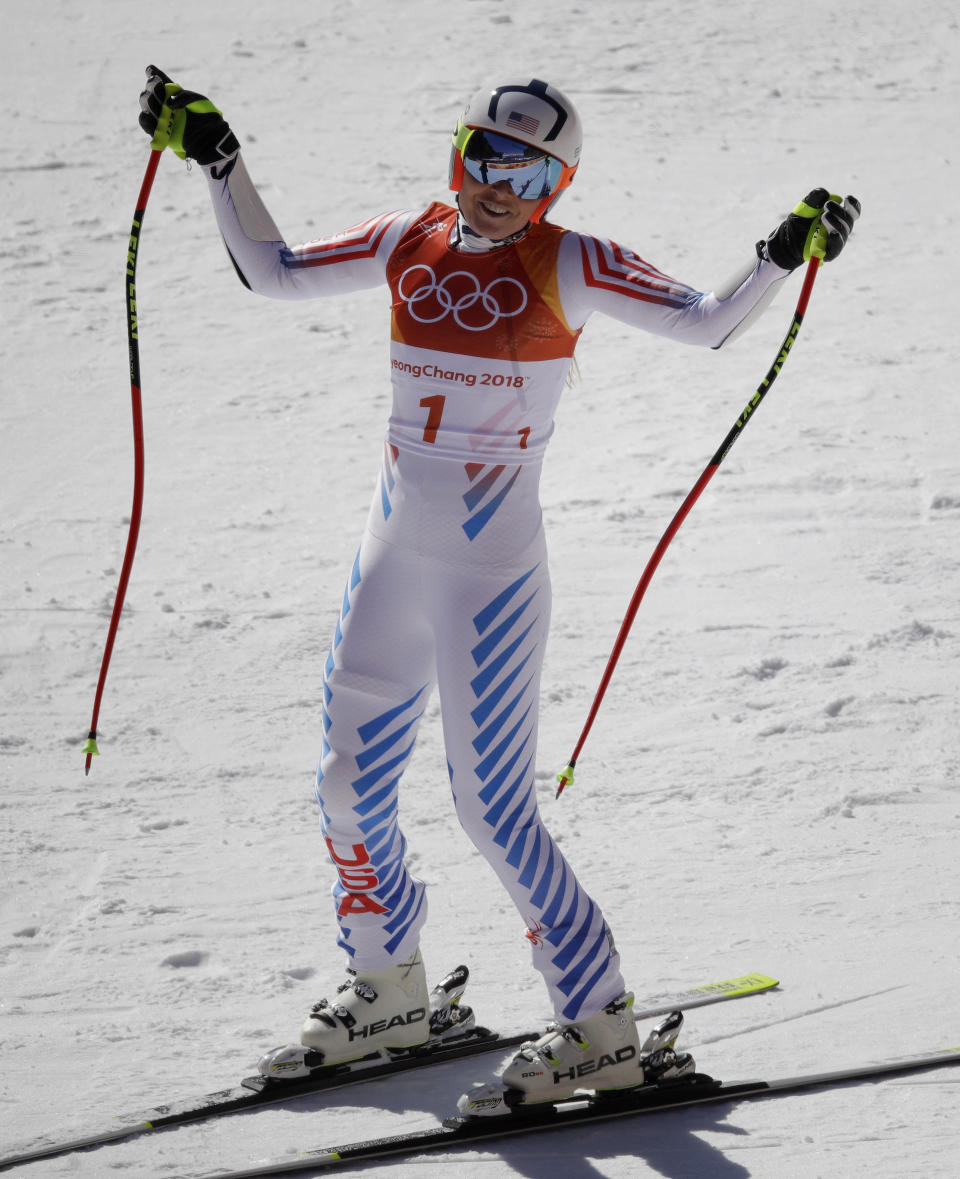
(772, 782)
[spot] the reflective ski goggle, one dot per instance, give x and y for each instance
(490, 158)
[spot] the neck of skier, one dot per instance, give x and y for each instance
(462, 237)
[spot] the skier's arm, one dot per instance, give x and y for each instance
(598, 275)
(349, 261)
(194, 128)
(595, 274)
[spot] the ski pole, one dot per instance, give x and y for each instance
(566, 777)
(130, 295)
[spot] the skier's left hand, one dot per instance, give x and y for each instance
(818, 227)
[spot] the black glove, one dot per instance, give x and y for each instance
(818, 227)
(184, 121)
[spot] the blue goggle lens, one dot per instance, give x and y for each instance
(491, 158)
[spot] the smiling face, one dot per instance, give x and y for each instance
(494, 210)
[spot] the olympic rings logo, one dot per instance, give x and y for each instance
(459, 293)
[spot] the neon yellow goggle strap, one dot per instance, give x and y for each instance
(461, 136)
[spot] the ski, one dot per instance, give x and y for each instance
(256, 1091)
(697, 1089)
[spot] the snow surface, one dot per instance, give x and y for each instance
(772, 783)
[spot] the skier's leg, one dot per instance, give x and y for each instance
(489, 657)
(377, 679)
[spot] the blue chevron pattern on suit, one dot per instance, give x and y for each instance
(571, 928)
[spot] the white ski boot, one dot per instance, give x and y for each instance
(449, 1021)
(375, 1010)
(601, 1054)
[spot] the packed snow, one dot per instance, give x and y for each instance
(772, 782)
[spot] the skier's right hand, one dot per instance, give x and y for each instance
(184, 121)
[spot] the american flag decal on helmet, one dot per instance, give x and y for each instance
(525, 123)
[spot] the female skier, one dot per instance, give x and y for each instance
(450, 588)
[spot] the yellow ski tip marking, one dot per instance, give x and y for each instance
(745, 985)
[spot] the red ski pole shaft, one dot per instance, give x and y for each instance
(130, 298)
(566, 777)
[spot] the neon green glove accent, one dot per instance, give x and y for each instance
(172, 123)
(815, 245)
(165, 123)
(182, 116)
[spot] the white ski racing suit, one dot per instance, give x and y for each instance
(450, 587)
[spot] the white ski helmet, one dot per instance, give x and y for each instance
(532, 113)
